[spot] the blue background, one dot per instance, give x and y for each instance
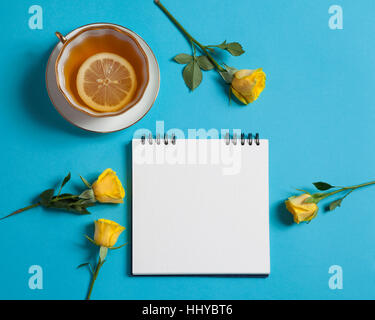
(317, 111)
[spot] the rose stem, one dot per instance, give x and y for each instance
(352, 188)
(94, 276)
(21, 210)
(187, 34)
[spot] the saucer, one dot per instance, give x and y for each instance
(104, 124)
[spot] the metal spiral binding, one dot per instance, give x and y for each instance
(158, 140)
(228, 139)
(243, 139)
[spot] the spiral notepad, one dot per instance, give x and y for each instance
(200, 206)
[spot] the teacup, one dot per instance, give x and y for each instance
(88, 41)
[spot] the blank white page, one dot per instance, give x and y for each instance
(200, 207)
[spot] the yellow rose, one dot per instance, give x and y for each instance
(301, 211)
(108, 188)
(248, 84)
(107, 232)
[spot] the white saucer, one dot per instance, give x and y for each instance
(104, 124)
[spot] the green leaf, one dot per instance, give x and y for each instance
(85, 202)
(46, 197)
(205, 63)
(72, 205)
(64, 195)
(79, 209)
(87, 184)
(337, 203)
(83, 264)
(66, 179)
(183, 58)
(192, 75)
(61, 204)
(234, 48)
(322, 186)
(86, 264)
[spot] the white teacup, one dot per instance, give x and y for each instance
(92, 39)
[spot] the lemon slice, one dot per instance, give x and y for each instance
(106, 82)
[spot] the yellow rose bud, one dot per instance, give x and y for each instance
(108, 188)
(248, 84)
(107, 232)
(301, 211)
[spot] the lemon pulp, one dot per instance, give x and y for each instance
(106, 82)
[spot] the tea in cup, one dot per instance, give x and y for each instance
(101, 70)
